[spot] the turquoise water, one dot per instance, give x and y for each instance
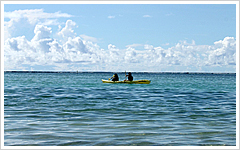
(70, 109)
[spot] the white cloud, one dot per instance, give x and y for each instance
(89, 38)
(23, 18)
(134, 45)
(75, 45)
(111, 17)
(147, 16)
(169, 14)
(49, 22)
(68, 31)
(41, 32)
(166, 44)
(222, 53)
(131, 56)
(80, 53)
(34, 15)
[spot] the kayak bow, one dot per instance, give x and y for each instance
(128, 82)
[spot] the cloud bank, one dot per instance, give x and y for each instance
(74, 53)
(66, 51)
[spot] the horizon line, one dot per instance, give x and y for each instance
(166, 72)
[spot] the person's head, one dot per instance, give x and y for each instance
(115, 75)
(129, 73)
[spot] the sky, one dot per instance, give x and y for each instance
(118, 37)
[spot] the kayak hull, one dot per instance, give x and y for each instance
(128, 82)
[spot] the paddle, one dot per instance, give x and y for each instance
(125, 75)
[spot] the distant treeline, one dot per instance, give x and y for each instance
(112, 72)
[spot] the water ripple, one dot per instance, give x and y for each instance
(67, 112)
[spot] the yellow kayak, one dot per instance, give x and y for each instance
(128, 82)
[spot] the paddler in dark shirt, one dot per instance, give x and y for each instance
(130, 77)
(114, 77)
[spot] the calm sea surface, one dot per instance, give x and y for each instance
(70, 109)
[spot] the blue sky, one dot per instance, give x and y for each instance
(134, 35)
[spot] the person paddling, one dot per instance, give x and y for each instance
(114, 77)
(130, 77)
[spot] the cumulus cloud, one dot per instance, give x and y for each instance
(67, 31)
(222, 53)
(22, 18)
(75, 45)
(131, 56)
(41, 32)
(81, 53)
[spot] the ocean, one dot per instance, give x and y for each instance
(77, 109)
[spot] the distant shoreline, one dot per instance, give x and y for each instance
(113, 72)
